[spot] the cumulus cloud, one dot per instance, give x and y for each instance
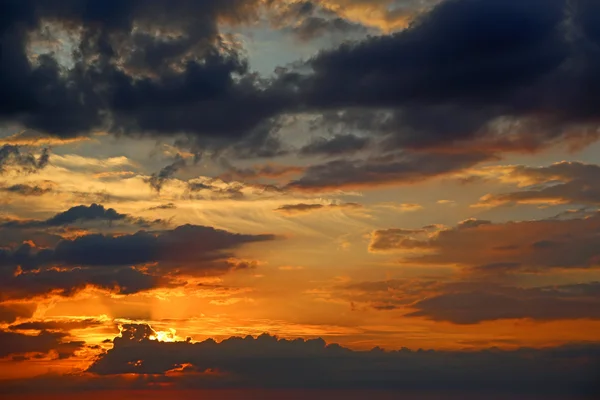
(435, 85)
(267, 361)
(111, 262)
(126, 78)
(431, 86)
(83, 214)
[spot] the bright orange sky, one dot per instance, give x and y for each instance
(379, 174)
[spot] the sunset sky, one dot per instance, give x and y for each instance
(232, 196)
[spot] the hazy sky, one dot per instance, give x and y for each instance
(341, 174)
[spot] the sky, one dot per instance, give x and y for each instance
(292, 199)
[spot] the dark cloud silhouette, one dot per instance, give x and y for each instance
(83, 214)
(108, 262)
(18, 344)
(474, 301)
(11, 312)
(13, 157)
(459, 77)
(58, 325)
(126, 80)
(157, 180)
(27, 190)
(548, 303)
(267, 361)
(382, 170)
(68, 282)
(454, 78)
(559, 183)
(167, 206)
(533, 246)
(300, 208)
(184, 244)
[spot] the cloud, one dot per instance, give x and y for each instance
(436, 85)
(382, 170)
(167, 206)
(559, 183)
(291, 209)
(9, 313)
(114, 263)
(63, 325)
(269, 171)
(268, 362)
(14, 158)
(82, 214)
(18, 344)
(157, 180)
(126, 80)
(23, 189)
(464, 301)
(465, 306)
(534, 246)
(431, 86)
(336, 145)
(309, 20)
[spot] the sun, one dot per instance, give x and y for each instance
(165, 336)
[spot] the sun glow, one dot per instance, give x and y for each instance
(165, 336)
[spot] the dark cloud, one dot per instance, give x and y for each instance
(547, 303)
(157, 180)
(137, 68)
(184, 244)
(167, 206)
(301, 208)
(270, 362)
(108, 262)
(474, 301)
(69, 282)
(11, 312)
(337, 145)
(268, 171)
(458, 73)
(15, 344)
(525, 246)
(58, 325)
(559, 183)
(13, 157)
(383, 170)
(83, 214)
(460, 77)
(27, 190)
